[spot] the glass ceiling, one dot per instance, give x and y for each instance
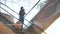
(27, 4)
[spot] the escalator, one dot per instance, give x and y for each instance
(24, 24)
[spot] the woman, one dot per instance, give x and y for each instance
(22, 13)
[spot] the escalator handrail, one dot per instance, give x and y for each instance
(32, 8)
(8, 7)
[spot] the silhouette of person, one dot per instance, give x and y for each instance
(21, 13)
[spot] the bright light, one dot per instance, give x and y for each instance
(8, 0)
(15, 0)
(54, 28)
(43, 0)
